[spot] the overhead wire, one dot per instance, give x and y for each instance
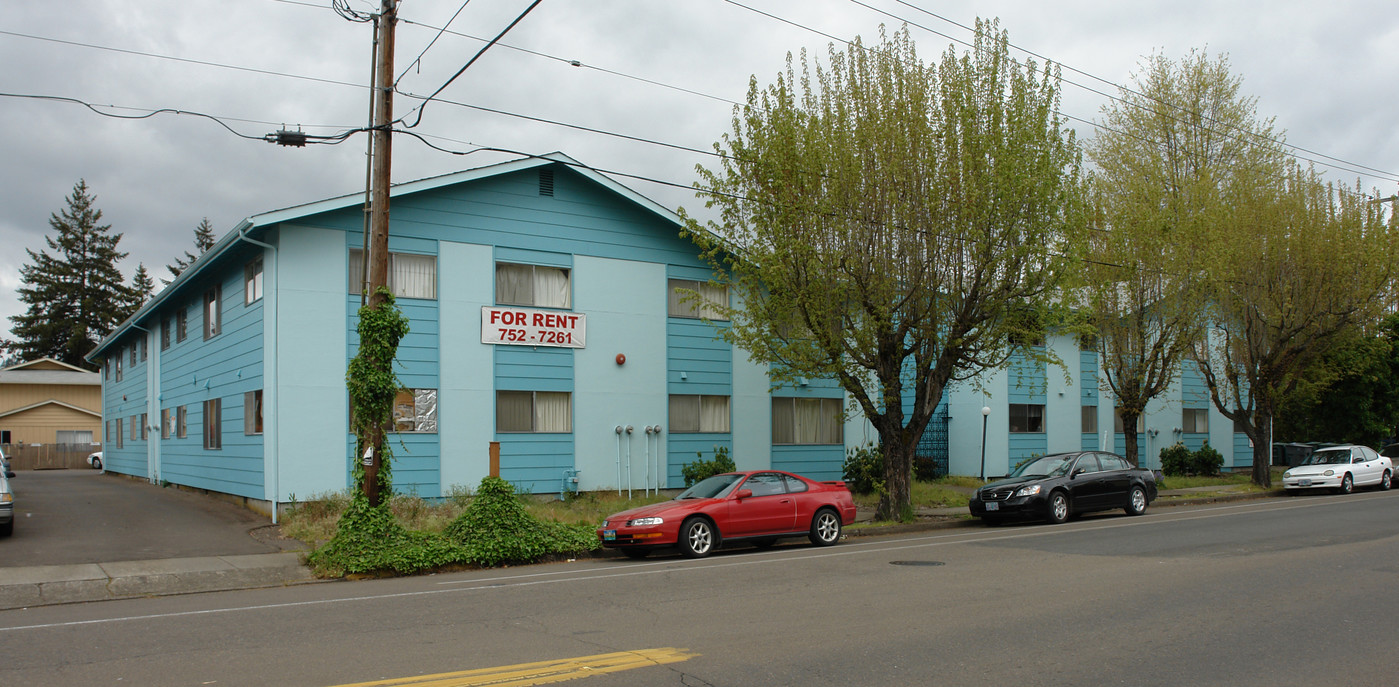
(419, 59)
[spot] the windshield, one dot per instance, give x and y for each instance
(1046, 466)
(712, 487)
(1336, 457)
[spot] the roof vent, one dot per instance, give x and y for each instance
(546, 182)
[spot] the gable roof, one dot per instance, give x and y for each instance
(262, 221)
(49, 371)
(41, 404)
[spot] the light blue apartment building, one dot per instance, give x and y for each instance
(544, 316)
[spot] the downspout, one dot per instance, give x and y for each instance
(629, 431)
(648, 459)
(269, 365)
(660, 455)
(152, 395)
(619, 459)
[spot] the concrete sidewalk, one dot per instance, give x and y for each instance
(58, 584)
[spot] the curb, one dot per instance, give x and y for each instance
(61, 584)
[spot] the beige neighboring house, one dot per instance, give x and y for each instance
(48, 402)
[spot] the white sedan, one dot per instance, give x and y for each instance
(1342, 468)
(95, 460)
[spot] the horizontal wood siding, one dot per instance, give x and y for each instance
(1090, 441)
(223, 367)
(1026, 445)
(1193, 391)
(534, 463)
(1028, 383)
(1243, 453)
(681, 449)
(1088, 378)
(814, 462)
(693, 350)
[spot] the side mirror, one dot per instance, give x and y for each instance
(743, 494)
(1077, 472)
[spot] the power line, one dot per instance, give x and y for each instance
(419, 59)
(468, 64)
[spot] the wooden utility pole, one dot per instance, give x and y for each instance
(380, 161)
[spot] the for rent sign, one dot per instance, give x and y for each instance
(525, 327)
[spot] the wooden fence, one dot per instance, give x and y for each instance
(49, 456)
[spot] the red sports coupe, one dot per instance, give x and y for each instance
(758, 506)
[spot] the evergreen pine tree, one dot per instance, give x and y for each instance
(76, 295)
(142, 286)
(203, 240)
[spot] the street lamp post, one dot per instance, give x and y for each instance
(985, 413)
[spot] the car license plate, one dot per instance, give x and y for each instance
(609, 535)
(1304, 483)
(992, 505)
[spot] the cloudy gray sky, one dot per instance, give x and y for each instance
(663, 71)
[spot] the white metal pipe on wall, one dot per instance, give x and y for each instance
(619, 460)
(629, 431)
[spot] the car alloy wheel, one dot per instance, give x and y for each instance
(1387, 481)
(1136, 501)
(696, 538)
(1347, 485)
(1058, 507)
(825, 528)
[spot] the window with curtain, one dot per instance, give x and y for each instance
(1195, 420)
(135, 427)
(1090, 419)
(213, 428)
(411, 275)
(252, 412)
(212, 312)
(145, 427)
(699, 414)
(807, 421)
(181, 422)
(1026, 418)
(117, 423)
(181, 324)
(683, 302)
(534, 411)
(252, 282)
(69, 437)
(532, 286)
(164, 423)
(1117, 421)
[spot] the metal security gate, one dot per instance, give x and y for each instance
(930, 457)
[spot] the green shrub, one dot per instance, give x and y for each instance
(703, 469)
(1206, 462)
(496, 529)
(368, 539)
(1175, 459)
(925, 469)
(864, 469)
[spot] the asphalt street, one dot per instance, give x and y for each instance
(1288, 591)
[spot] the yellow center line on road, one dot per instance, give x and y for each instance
(539, 672)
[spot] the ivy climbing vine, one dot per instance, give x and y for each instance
(373, 388)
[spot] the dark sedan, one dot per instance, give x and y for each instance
(1061, 485)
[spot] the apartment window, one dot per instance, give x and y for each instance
(806, 421)
(133, 355)
(708, 305)
(135, 427)
(415, 410)
(118, 365)
(691, 413)
(534, 411)
(164, 423)
(181, 424)
(144, 345)
(164, 333)
(410, 275)
(1117, 421)
(252, 412)
(118, 424)
(252, 282)
(532, 285)
(1026, 418)
(1090, 419)
(1195, 420)
(213, 318)
(107, 369)
(181, 324)
(145, 427)
(213, 428)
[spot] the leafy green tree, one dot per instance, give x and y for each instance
(1300, 265)
(1351, 396)
(885, 222)
(1164, 153)
(203, 240)
(75, 295)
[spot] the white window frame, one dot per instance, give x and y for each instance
(252, 282)
(213, 311)
(213, 424)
